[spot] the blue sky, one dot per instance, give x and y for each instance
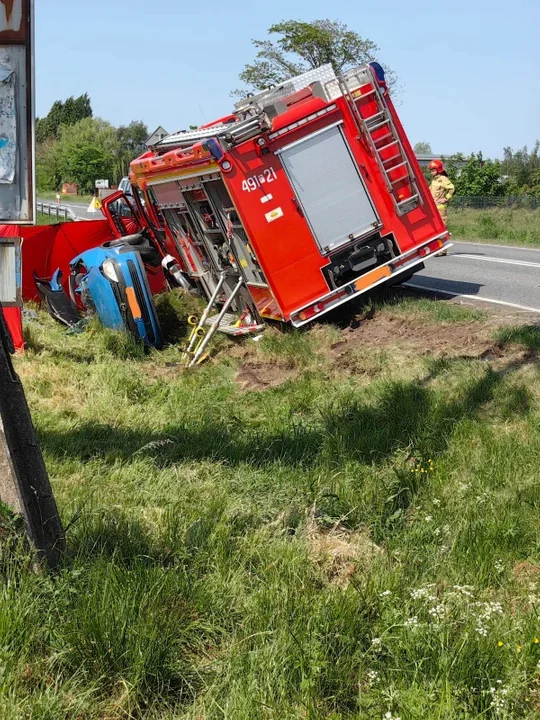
(469, 70)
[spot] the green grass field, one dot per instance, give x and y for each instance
(65, 199)
(336, 523)
(502, 226)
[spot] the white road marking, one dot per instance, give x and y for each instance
(495, 245)
(472, 297)
(503, 261)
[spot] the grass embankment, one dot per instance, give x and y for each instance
(497, 225)
(337, 523)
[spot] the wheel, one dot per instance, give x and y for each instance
(244, 302)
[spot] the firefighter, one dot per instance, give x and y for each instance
(442, 190)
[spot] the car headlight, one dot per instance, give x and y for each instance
(109, 270)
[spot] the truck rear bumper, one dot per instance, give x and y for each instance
(379, 275)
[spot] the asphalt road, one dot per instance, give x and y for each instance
(502, 275)
(81, 211)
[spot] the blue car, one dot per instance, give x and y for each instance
(111, 281)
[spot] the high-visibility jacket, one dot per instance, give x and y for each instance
(442, 189)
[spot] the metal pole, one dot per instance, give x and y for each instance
(24, 483)
(213, 328)
(204, 316)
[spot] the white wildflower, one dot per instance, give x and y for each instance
(423, 593)
(376, 642)
(386, 593)
(481, 629)
(372, 676)
(428, 518)
(498, 696)
(436, 501)
(412, 623)
(438, 612)
(466, 590)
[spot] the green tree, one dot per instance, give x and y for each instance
(300, 46)
(477, 176)
(423, 148)
(520, 168)
(48, 176)
(86, 151)
(63, 113)
(131, 141)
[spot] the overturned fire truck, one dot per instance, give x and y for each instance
(308, 195)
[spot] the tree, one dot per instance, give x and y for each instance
(48, 176)
(63, 113)
(423, 148)
(302, 46)
(86, 151)
(520, 167)
(132, 143)
(477, 177)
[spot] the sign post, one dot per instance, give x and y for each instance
(17, 112)
(24, 483)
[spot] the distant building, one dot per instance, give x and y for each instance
(425, 158)
(158, 135)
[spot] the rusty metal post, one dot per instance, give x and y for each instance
(24, 483)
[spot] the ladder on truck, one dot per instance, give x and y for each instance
(376, 126)
(224, 321)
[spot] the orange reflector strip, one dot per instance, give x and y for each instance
(133, 304)
(372, 277)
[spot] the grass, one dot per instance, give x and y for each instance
(351, 542)
(42, 219)
(502, 226)
(64, 199)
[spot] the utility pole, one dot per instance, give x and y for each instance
(24, 483)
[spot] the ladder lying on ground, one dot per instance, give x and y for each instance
(223, 321)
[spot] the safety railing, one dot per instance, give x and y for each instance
(53, 210)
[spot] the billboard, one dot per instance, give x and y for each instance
(17, 193)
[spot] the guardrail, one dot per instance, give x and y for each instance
(55, 210)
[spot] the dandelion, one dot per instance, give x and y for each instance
(518, 648)
(500, 643)
(536, 641)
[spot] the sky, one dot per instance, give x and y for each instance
(469, 71)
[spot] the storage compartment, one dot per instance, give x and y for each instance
(329, 188)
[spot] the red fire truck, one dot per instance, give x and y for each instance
(307, 195)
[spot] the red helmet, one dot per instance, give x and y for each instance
(436, 165)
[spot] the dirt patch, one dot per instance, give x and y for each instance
(526, 572)
(340, 553)
(262, 376)
(467, 340)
